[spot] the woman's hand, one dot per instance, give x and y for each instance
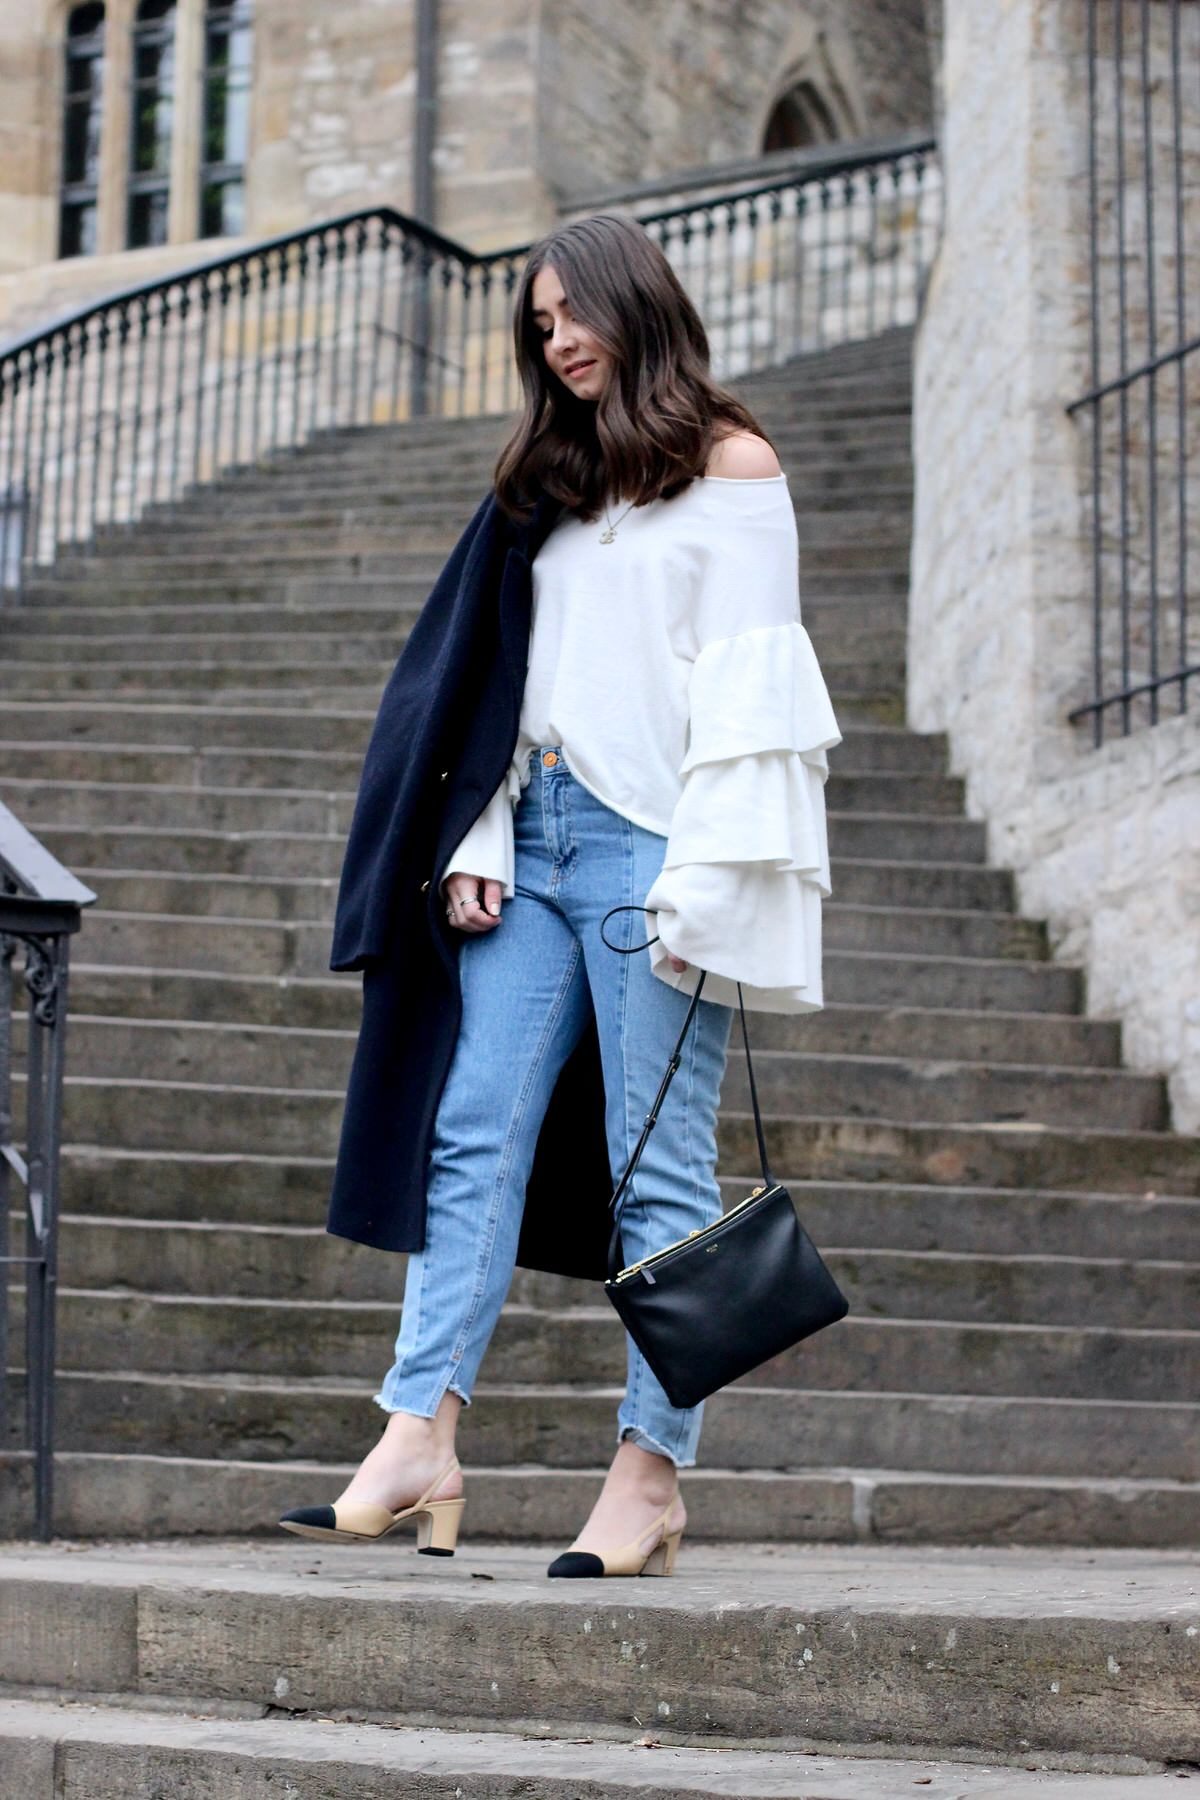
(472, 901)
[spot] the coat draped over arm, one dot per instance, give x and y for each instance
(443, 735)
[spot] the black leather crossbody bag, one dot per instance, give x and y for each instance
(721, 1301)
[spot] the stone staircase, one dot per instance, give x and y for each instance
(183, 716)
(956, 1524)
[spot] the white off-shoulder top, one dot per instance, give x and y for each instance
(672, 667)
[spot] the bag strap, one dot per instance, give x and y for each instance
(620, 1196)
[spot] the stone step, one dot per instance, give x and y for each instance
(840, 619)
(204, 728)
(125, 1494)
(304, 1122)
(798, 433)
(863, 978)
(404, 484)
(294, 1120)
(156, 804)
(820, 1081)
(412, 584)
(830, 546)
(951, 887)
(282, 1262)
(876, 1209)
(352, 692)
(270, 947)
(202, 785)
(1084, 1654)
(810, 1435)
(37, 722)
(332, 1003)
(329, 1003)
(873, 684)
(266, 855)
(275, 851)
(876, 510)
(815, 482)
(184, 1334)
(105, 1753)
(189, 1049)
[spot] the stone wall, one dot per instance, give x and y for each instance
(630, 91)
(1105, 842)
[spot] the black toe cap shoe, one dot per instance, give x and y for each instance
(576, 1562)
(322, 1516)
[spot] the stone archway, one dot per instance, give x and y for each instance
(817, 98)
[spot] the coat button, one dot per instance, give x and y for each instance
(424, 885)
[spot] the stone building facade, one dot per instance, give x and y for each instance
(538, 104)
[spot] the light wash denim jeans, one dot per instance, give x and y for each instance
(525, 988)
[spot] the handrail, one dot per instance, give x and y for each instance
(806, 165)
(775, 168)
(40, 910)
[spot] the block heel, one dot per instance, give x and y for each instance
(437, 1527)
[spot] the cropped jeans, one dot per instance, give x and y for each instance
(525, 997)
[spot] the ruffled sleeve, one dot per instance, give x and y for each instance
(746, 867)
(487, 850)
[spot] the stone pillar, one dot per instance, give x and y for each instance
(115, 125)
(1105, 843)
(183, 219)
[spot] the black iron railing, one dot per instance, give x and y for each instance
(1144, 211)
(373, 317)
(40, 908)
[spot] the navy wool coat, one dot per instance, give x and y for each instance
(443, 737)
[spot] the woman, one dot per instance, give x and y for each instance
(669, 758)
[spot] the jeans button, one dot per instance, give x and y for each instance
(549, 759)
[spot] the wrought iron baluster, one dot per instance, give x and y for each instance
(205, 302)
(319, 333)
(224, 288)
(336, 383)
(181, 330)
(160, 387)
(139, 375)
(114, 466)
(281, 294)
(302, 263)
(356, 346)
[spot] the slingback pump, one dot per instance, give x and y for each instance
(626, 1560)
(362, 1521)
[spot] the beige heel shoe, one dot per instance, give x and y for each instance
(362, 1521)
(628, 1560)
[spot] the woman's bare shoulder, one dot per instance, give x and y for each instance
(742, 456)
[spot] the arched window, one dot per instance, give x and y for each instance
(227, 34)
(152, 122)
(83, 86)
(799, 118)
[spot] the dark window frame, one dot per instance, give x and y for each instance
(149, 33)
(75, 198)
(222, 19)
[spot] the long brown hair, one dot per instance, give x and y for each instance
(654, 425)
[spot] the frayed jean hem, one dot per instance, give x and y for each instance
(635, 1435)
